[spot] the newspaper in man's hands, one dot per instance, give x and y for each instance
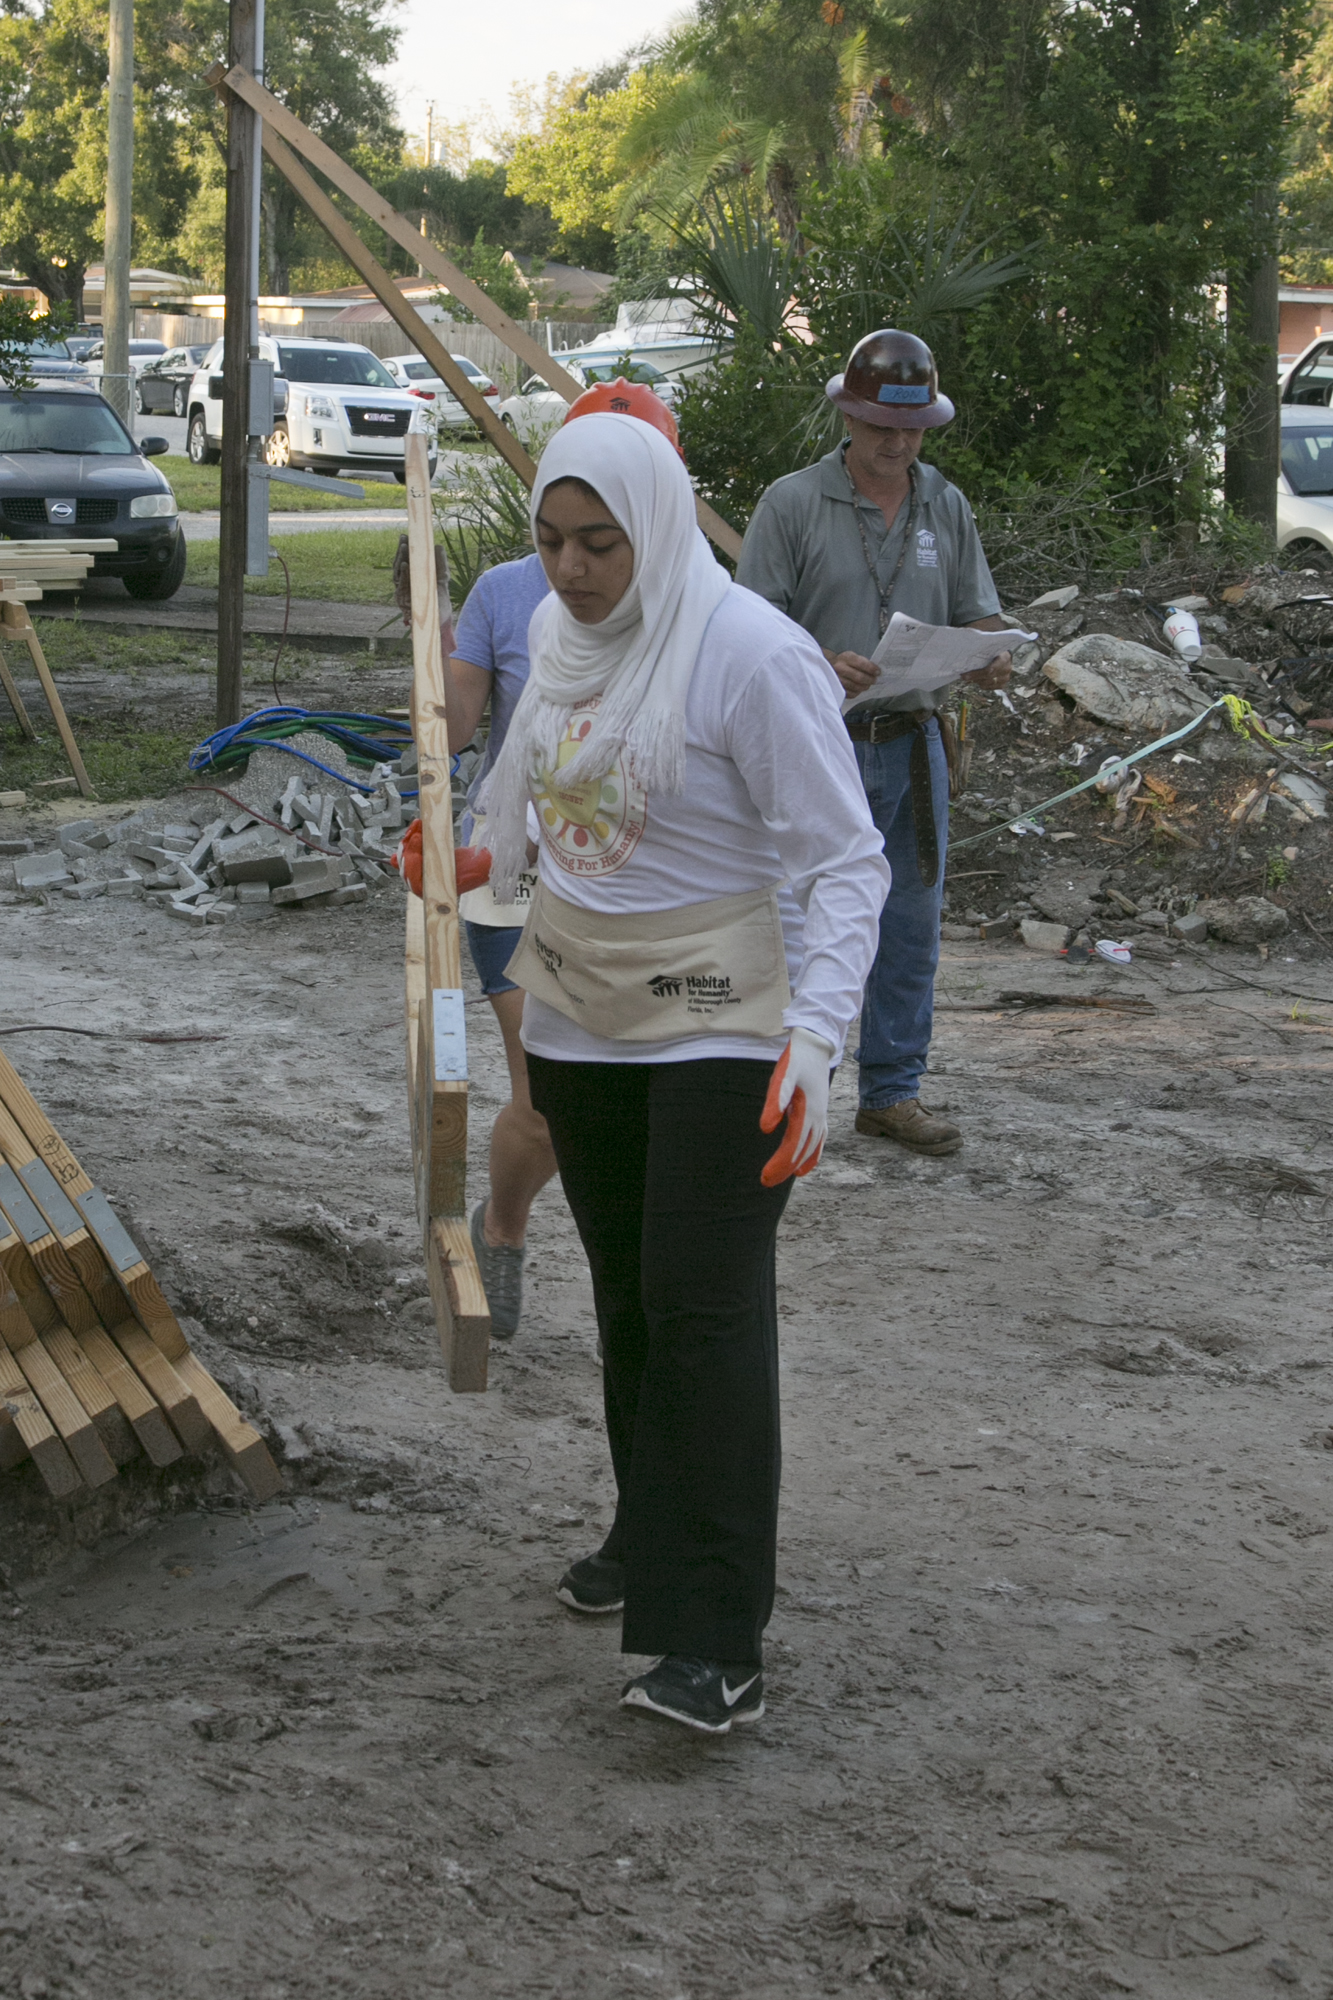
(913, 657)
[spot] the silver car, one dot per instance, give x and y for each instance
(419, 379)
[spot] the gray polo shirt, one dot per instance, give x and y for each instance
(803, 553)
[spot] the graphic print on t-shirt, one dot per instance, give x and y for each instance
(590, 828)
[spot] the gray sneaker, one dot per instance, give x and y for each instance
(501, 1268)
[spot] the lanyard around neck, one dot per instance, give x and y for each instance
(884, 593)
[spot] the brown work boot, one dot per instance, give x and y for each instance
(911, 1125)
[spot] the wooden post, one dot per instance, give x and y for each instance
(14, 618)
(278, 119)
(238, 336)
(437, 1053)
(119, 209)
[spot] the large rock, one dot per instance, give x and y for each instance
(1067, 895)
(1124, 684)
(1247, 920)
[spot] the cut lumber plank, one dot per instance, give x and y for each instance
(14, 618)
(434, 979)
(109, 1266)
(10, 686)
(75, 1308)
(246, 1450)
(140, 1409)
(77, 1431)
(94, 1392)
(180, 1403)
(462, 1316)
(59, 1473)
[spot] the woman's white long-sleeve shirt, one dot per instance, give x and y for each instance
(772, 797)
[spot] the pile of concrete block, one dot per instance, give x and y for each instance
(312, 840)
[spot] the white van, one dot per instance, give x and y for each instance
(337, 409)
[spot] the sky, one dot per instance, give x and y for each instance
(468, 57)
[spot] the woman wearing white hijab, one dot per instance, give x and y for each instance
(710, 881)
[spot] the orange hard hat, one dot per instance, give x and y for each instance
(627, 399)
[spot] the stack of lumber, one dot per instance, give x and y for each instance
(94, 1367)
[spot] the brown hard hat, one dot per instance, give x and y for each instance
(890, 380)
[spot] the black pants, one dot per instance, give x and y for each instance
(660, 1165)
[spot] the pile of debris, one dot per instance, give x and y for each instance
(1224, 836)
(284, 834)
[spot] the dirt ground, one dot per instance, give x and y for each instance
(1049, 1674)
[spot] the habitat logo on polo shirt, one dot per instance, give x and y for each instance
(927, 553)
(590, 828)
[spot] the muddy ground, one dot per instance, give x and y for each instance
(1049, 1672)
(1049, 1684)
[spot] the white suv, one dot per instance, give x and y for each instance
(336, 407)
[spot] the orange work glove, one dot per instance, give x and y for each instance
(799, 1087)
(407, 857)
(472, 868)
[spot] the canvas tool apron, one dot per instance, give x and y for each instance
(657, 975)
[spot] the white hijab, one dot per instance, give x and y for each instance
(640, 659)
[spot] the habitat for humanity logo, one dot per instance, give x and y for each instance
(927, 555)
(700, 988)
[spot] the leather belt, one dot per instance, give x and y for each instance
(887, 727)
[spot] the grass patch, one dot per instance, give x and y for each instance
(123, 762)
(71, 646)
(340, 565)
(198, 490)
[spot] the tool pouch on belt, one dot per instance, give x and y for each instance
(655, 975)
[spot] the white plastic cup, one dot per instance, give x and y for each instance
(1182, 629)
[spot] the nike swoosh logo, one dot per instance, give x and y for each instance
(730, 1697)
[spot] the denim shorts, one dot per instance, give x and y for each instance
(492, 950)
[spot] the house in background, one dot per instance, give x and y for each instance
(1305, 313)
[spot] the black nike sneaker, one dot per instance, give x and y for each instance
(594, 1586)
(703, 1694)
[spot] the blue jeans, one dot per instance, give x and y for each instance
(897, 1011)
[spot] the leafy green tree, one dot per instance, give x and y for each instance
(497, 274)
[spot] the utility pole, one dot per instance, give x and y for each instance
(1253, 434)
(119, 208)
(240, 337)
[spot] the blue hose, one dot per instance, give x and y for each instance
(267, 727)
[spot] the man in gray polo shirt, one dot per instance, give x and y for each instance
(866, 531)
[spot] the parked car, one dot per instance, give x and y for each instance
(420, 380)
(68, 466)
(1305, 484)
(537, 408)
(337, 407)
(51, 360)
(164, 384)
(141, 352)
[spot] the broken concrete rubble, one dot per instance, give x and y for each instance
(1246, 920)
(302, 838)
(1125, 684)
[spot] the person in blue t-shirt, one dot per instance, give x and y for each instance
(490, 662)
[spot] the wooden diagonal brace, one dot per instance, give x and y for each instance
(279, 120)
(427, 343)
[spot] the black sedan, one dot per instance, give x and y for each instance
(164, 384)
(68, 466)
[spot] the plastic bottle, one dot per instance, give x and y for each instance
(1182, 629)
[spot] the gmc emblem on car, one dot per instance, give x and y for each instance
(379, 416)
